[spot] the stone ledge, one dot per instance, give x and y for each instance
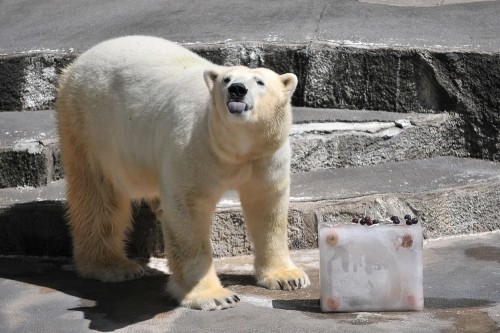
(450, 196)
(330, 76)
(347, 143)
(320, 139)
(29, 149)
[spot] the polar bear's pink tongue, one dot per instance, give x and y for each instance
(236, 107)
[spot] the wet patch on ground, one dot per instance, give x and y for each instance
(469, 320)
(488, 253)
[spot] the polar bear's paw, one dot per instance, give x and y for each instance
(285, 279)
(123, 270)
(215, 298)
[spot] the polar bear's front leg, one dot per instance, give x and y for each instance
(193, 282)
(265, 206)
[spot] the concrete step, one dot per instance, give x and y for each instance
(330, 75)
(321, 139)
(325, 139)
(29, 149)
(449, 195)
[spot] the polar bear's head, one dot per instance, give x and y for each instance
(249, 95)
(250, 113)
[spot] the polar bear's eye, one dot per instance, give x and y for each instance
(260, 83)
(227, 79)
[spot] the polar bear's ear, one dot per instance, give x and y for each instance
(210, 76)
(289, 80)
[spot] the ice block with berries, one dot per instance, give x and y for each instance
(371, 267)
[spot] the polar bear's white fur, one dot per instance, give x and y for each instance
(141, 117)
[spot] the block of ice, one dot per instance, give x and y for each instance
(371, 268)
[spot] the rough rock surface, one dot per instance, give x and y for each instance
(330, 76)
(450, 196)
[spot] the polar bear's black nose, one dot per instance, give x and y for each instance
(237, 90)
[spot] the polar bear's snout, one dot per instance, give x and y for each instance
(237, 90)
(237, 98)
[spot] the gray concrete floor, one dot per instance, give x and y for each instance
(461, 289)
(440, 24)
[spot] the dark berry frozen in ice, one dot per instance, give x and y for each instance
(395, 219)
(414, 220)
(407, 217)
(355, 220)
(367, 220)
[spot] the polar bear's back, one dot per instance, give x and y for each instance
(138, 66)
(130, 95)
(145, 49)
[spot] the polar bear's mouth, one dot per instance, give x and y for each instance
(237, 107)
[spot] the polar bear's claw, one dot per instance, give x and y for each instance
(285, 279)
(208, 304)
(213, 298)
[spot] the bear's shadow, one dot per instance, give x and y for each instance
(108, 306)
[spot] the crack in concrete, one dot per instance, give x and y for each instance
(319, 19)
(316, 30)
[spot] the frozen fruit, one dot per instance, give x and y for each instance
(367, 220)
(333, 303)
(364, 219)
(406, 241)
(332, 239)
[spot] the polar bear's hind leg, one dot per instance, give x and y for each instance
(99, 215)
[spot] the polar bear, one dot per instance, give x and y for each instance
(142, 117)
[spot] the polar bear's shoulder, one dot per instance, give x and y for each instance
(144, 43)
(146, 49)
